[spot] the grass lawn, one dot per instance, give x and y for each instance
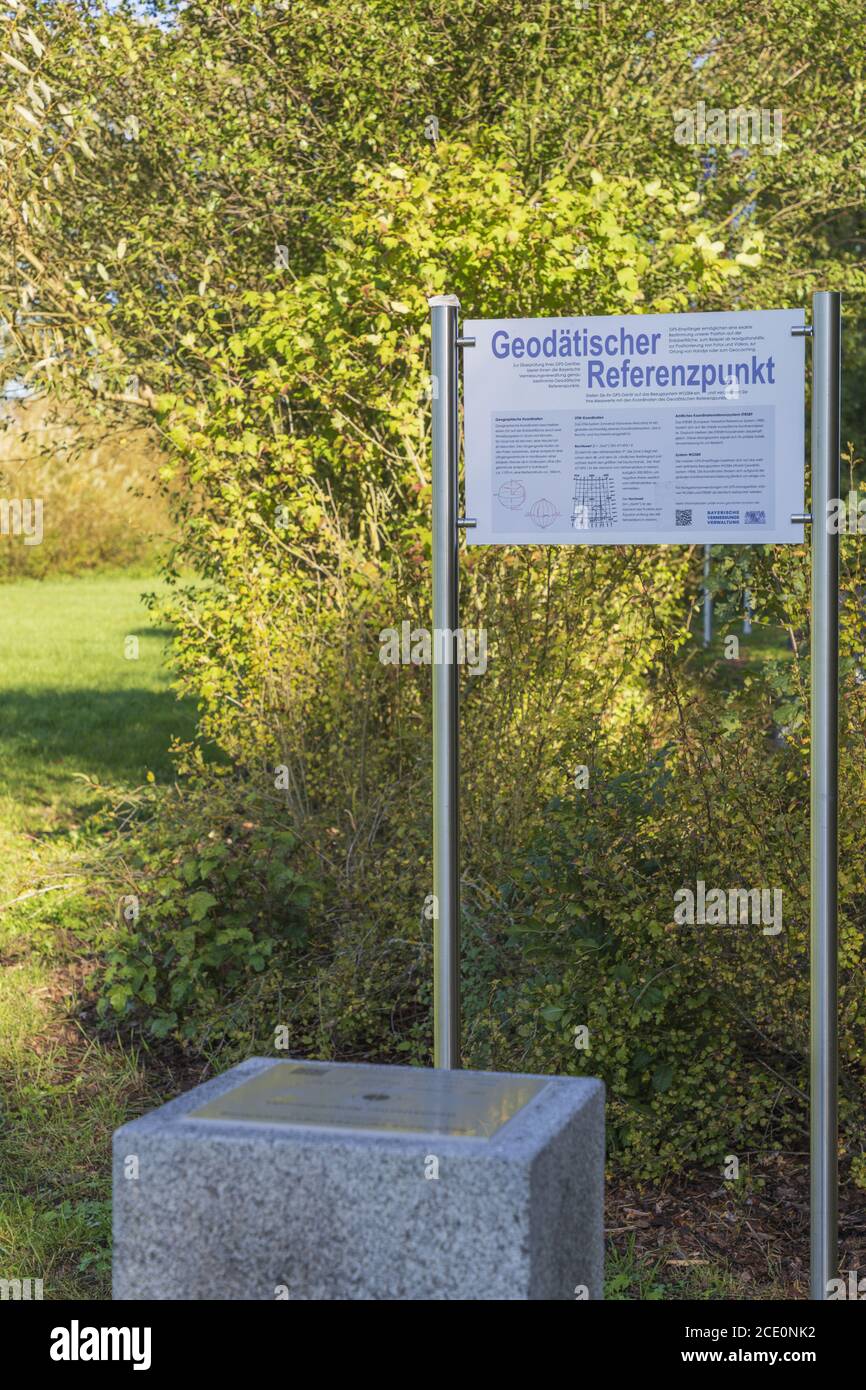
(75, 699)
(84, 711)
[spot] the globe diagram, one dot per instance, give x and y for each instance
(512, 495)
(543, 512)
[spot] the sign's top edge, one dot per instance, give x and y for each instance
(645, 318)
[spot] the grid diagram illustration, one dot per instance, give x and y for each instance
(594, 502)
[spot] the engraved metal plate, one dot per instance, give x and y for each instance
(375, 1098)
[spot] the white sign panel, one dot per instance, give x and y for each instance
(635, 429)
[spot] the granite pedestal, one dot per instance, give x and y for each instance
(320, 1180)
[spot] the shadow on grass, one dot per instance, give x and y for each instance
(163, 633)
(112, 735)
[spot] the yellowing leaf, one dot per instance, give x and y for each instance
(37, 46)
(28, 116)
(15, 63)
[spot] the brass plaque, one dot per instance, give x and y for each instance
(416, 1100)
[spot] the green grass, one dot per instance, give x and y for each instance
(80, 719)
(73, 703)
(632, 1275)
(729, 661)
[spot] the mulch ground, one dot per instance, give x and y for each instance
(756, 1232)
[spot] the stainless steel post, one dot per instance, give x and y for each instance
(708, 598)
(826, 483)
(444, 310)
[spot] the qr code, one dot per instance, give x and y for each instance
(684, 516)
(756, 519)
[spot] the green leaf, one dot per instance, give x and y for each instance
(199, 904)
(663, 1077)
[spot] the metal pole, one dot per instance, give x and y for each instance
(708, 598)
(444, 309)
(826, 482)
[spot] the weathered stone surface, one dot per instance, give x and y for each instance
(333, 1199)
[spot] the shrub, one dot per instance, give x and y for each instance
(304, 462)
(211, 897)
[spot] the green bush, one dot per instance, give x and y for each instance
(209, 898)
(293, 404)
(310, 454)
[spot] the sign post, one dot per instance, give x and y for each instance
(647, 429)
(826, 485)
(444, 309)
